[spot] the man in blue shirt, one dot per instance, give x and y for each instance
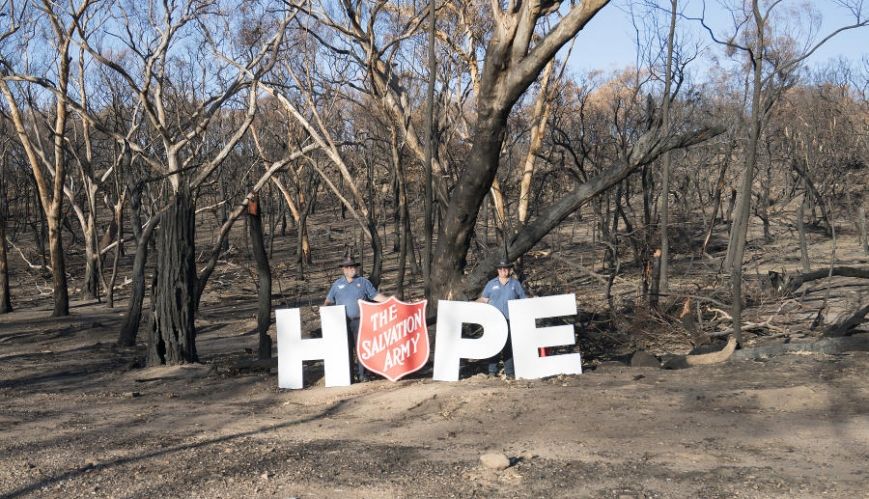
(346, 291)
(497, 293)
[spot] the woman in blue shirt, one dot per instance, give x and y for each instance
(497, 293)
(347, 291)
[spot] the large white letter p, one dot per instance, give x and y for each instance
(450, 347)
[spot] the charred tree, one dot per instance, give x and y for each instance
(173, 303)
(5, 298)
(264, 279)
(133, 317)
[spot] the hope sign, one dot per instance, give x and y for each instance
(526, 339)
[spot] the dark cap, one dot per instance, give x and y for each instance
(504, 264)
(348, 262)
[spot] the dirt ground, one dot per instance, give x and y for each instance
(80, 418)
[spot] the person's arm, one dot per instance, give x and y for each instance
(487, 292)
(330, 296)
(372, 294)
(521, 290)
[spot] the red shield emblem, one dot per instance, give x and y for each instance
(393, 338)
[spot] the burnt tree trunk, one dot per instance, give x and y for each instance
(403, 234)
(730, 206)
(306, 199)
(816, 196)
(864, 239)
(5, 295)
(172, 337)
(845, 326)
(58, 264)
(649, 275)
(764, 204)
(302, 250)
(264, 276)
(797, 281)
(135, 193)
(396, 211)
(40, 230)
(91, 287)
(223, 209)
(5, 298)
(133, 317)
(716, 205)
(118, 222)
(450, 257)
(801, 229)
(402, 229)
(377, 253)
(859, 213)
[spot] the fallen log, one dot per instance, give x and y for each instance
(705, 359)
(846, 325)
(856, 343)
(787, 285)
(255, 364)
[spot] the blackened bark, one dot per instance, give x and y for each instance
(377, 254)
(801, 229)
(403, 219)
(861, 220)
(264, 276)
(307, 202)
(765, 202)
(303, 246)
(649, 273)
(91, 287)
(795, 282)
(58, 265)
(224, 210)
(306, 198)
(5, 298)
(846, 326)
(450, 256)
(118, 225)
(303, 256)
(5, 295)
(730, 206)
(136, 210)
(130, 327)
(396, 212)
(40, 234)
(716, 202)
(816, 195)
(172, 337)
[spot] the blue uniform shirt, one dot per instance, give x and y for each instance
(347, 293)
(499, 294)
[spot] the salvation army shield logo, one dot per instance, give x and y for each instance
(393, 338)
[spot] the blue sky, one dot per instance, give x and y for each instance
(608, 41)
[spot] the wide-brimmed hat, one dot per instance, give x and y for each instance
(504, 264)
(348, 262)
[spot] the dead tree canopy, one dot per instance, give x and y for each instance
(513, 62)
